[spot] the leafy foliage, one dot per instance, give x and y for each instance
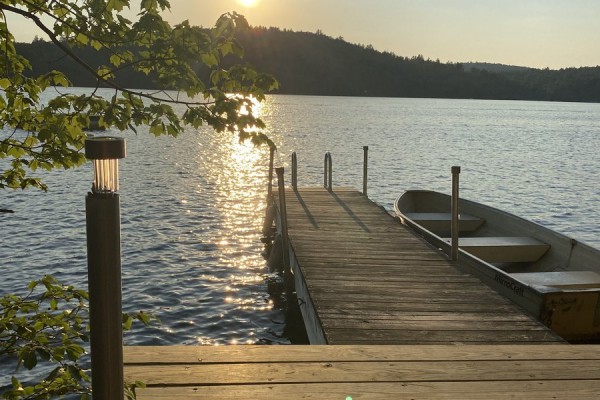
(34, 134)
(49, 326)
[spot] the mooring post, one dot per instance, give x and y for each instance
(270, 188)
(327, 172)
(287, 273)
(365, 166)
(454, 227)
(294, 171)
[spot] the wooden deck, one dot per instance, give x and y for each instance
(402, 323)
(364, 278)
(366, 372)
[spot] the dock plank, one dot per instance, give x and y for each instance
(145, 355)
(341, 371)
(557, 371)
(542, 390)
(350, 258)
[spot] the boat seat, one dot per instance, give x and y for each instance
(505, 249)
(561, 279)
(437, 222)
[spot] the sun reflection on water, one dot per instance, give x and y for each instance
(206, 237)
(236, 171)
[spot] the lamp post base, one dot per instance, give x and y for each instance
(104, 282)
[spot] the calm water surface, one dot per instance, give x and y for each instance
(192, 206)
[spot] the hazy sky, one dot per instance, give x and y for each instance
(535, 33)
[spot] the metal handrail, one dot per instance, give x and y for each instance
(327, 171)
(454, 227)
(284, 224)
(365, 166)
(294, 171)
(271, 159)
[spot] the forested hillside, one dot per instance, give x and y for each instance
(316, 64)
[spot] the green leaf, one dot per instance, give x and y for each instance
(28, 390)
(29, 359)
(43, 353)
(32, 285)
(127, 321)
(149, 5)
(145, 318)
(116, 5)
(226, 48)
(15, 383)
(82, 38)
(74, 352)
(60, 11)
(209, 59)
(16, 152)
(60, 80)
(97, 45)
(157, 129)
(105, 72)
(115, 60)
(140, 384)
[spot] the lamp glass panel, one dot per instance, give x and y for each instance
(106, 176)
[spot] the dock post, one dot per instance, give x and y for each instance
(294, 171)
(271, 158)
(454, 227)
(327, 172)
(287, 273)
(270, 209)
(365, 166)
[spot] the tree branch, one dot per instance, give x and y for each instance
(86, 66)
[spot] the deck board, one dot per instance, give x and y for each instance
(352, 258)
(365, 372)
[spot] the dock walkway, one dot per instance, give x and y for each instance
(363, 278)
(401, 321)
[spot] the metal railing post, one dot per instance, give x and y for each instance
(365, 167)
(454, 226)
(271, 158)
(327, 172)
(284, 227)
(294, 171)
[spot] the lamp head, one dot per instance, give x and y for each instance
(105, 152)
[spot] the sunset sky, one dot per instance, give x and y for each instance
(534, 33)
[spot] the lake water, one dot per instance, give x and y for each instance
(192, 206)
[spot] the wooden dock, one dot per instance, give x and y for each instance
(401, 321)
(365, 372)
(363, 278)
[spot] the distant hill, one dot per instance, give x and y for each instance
(493, 67)
(316, 64)
(313, 63)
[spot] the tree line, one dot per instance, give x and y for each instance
(316, 64)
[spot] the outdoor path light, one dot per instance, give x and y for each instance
(103, 228)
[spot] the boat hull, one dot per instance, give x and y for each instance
(560, 285)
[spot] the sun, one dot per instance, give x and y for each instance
(248, 3)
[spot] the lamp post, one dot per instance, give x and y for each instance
(103, 227)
